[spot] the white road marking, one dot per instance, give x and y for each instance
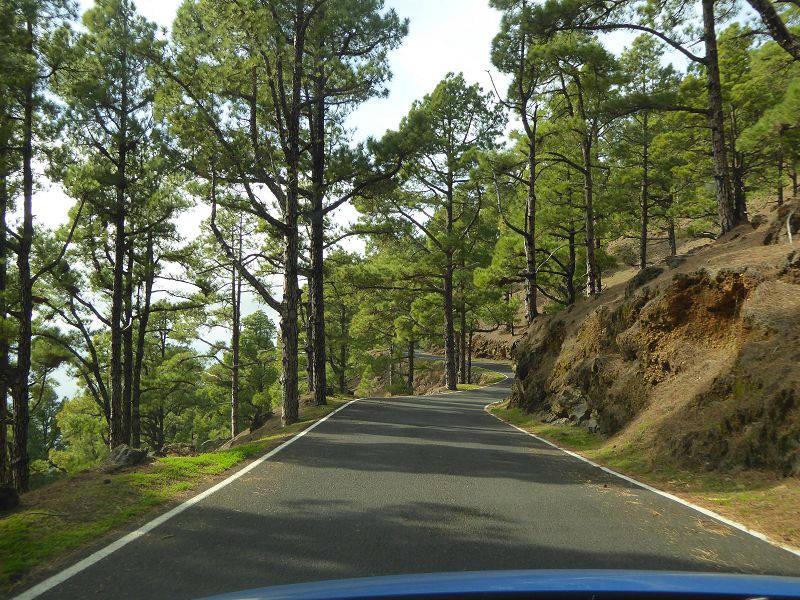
(709, 513)
(51, 582)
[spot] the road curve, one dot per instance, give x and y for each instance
(417, 484)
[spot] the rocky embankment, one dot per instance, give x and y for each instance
(695, 361)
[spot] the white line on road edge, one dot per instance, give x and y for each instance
(90, 560)
(709, 513)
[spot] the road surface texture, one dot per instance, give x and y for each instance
(417, 484)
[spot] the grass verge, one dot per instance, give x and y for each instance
(761, 500)
(58, 518)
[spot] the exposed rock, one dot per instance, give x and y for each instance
(776, 232)
(9, 498)
(178, 449)
(673, 262)
(591, 425)
(494, 348)
(699, 365)
(644, 276)
(123, 456)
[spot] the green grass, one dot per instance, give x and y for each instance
(486, 376)
(60, 517)
(572, 438)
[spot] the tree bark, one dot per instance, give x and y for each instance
(469, 359)
(450, 359)
(141, 340)
(777, 28)
(289, 337)
(20, 393)
(673, 243)
(737, 172)
(644, 199)
(4, 347)
(410, 378)
(531, 310)
(118, 289)
(316, 280)
(780, 181)
(343, 349)
(725, 202)
(570, 278)
(127, 349)
(316, 285)
(236, 322)
(291, 293)
(305, 319)
(462, 334)
(588, 197)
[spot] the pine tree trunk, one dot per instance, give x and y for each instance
(673, 243)
(343, 350)
(20, 393)
(236, 303)
(316, 281)
(450, 359)
(4, 347)
(737, 171)
(316, 284)
(118, 289)
(288, 326)
(127, 350)
(469, 359)
(141, 340)
(644, 199)
(725, 200)
(780, 181)
(290, 400)
(116, 325)
(739, 198)
(570, 282)
(410, 379)
(531, 310)
(462, 346)
(309, 345)
(588, 197)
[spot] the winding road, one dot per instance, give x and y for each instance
(416, 484)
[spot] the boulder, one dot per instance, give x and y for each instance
(674, 262)
(9, 498)
(178, 449)
(123, 456)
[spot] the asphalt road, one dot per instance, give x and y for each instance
(425, 484)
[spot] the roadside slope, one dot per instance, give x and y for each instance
(686, 374)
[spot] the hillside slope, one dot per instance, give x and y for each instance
(694, 362)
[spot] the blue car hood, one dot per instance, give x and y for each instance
(533, 584)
